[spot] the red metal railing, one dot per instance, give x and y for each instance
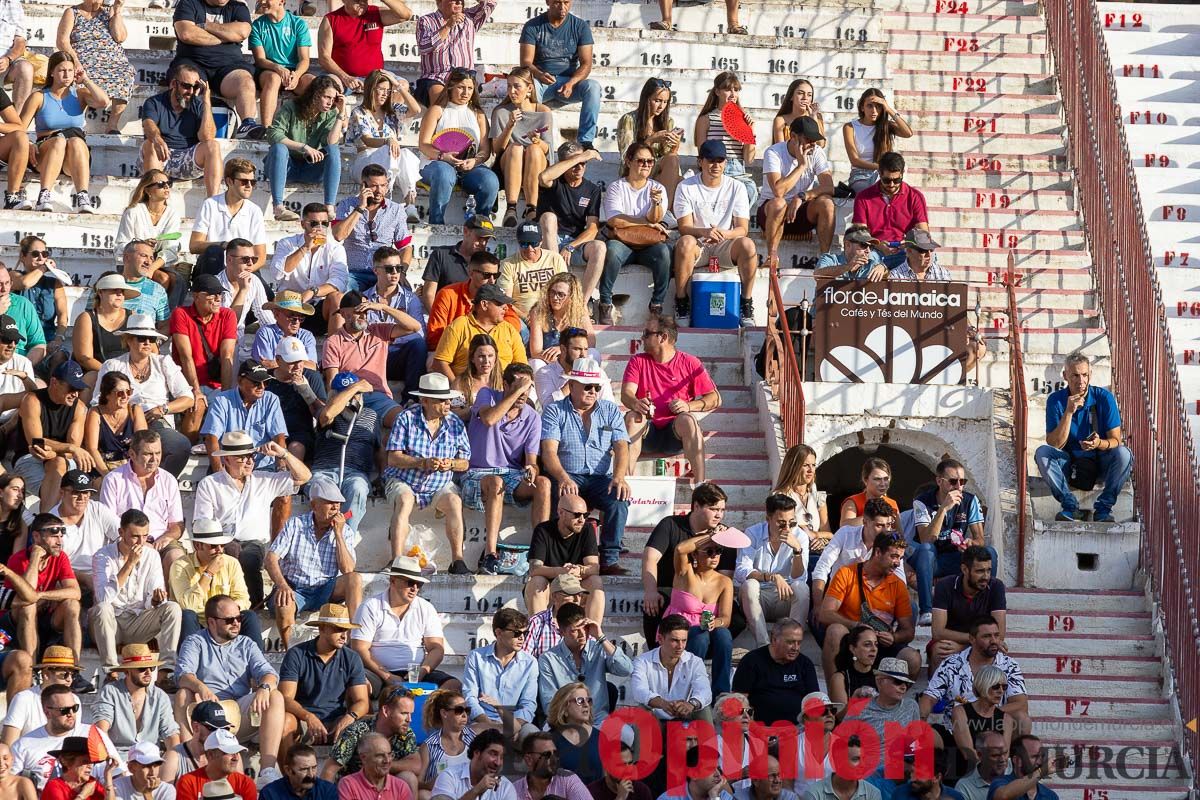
(782, 367)
(1154, 418)
(1020, 406)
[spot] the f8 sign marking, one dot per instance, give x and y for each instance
(1068, 664)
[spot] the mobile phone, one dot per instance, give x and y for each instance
(39, 442)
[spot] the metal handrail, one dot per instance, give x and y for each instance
(1020, 408)
(782, 367)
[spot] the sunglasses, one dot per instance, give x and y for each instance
(39, 253)
(229, 620)
(557, 295)
(521, 634)
(410, 583)
(711, 551)
(242, 457)
(243, 260)
(582, 701)
(144, 340)
(646, 334)
(317, 223)
(54, 530)
(459, 710)
(891, 181)
(158, 185)
(644, 162)
(576, 514)
(251, 182)
(390, 269)
(488, 276)
(589, 388)
(533, 246)
(66, 710)
(956, 481)
(188, 87)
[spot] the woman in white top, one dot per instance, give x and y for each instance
(634, 201)
(798, 480)
(520, 160)
(870, 136)
(376, 127)
(149, 217)
(445, 719)
(458, 108)
(159, 388)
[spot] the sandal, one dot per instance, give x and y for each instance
(661, 26)
(510, 218)
(739, 30)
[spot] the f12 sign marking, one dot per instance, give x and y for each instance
(1122, 20)
(1061, 622)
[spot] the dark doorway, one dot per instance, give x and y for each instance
(840, 476)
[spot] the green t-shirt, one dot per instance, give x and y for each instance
(281, 41)
(25, 315)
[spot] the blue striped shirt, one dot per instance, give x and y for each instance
(305, 560)
(580, 452)
(411, 436)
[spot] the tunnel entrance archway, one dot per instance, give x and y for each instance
(840, 476)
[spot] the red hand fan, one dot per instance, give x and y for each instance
(455, 141)
(738, 123)
(97, 749)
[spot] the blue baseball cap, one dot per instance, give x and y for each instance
(713, 150)
(70, 373)
(343, 381)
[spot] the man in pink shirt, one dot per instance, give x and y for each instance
(890, 209)
(664, 388)
(375, 780)
(362, 348)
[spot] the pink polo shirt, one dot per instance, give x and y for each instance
(365, 356)
(357, 787)
(683, 377)
(122, 491)
(889, 221)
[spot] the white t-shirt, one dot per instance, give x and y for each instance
(245, 514)
(621, 198)
(396, 643)
(214, 221)
(99, 527)
(25, 711)
(256, 298)
(712, 207)
(31, 754)
(10, 384)
(455, 781)
(123, 790)
(551, 386)
(779, 161)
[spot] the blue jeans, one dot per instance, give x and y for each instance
(929, 564)
(282, 167)
(406, 360)
(251, 627)
(441, 177)
(595, 492)
(718, 645)
(586, 93)
(356, 486)
(656, 257)
(1115, 466)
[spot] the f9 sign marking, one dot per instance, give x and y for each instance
(1060, 622)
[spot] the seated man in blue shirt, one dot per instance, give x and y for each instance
(323, 682)
(246, 407)
(219, 664)
(500, 679)
(299, 779)
(858, 260)
(584, 654)
(1030, 768)
(1083, 443)
(585, 451)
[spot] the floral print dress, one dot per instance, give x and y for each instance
(101, 56)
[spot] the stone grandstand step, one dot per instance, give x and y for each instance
(1142, 789)
(1058, 685)
(1006, 122)
(1094, 622)
(1137, 710)
(1074, 644)
(1147, 18)
(1108, 666)
(1154, 67)
(965, 23)
(982, 41)
(972, 172)
(1134, 92)
(1133, 42)
(1008, 63)
(1176, 236)
(976, 102)
(953, 8)
(1158, 113)
(1068, 602)
(1085, 728)
(968, 81)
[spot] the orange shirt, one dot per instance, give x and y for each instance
(889, 600)
(860, 503)
(450, 303)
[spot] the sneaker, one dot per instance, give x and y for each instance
(1103, 516)
(412, 212)
(926, 619)
(1071, 516)
(81, 685)
(587, 145)
(82, 202)
(747, 312)
(268, 775)
(655, 308)
(487, 564)
(459, 567)
(10, 201)
(250, 129)
(605, 314)
(285, 214)
(44, 201)
(683, 311)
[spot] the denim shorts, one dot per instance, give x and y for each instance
(310, 598)
(473, 478)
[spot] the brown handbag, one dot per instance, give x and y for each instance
(637, 237)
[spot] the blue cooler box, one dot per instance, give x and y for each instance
(716, 299)
(421, 692)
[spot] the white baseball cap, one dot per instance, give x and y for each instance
(224, 741)
(291, 350)
(145, 753)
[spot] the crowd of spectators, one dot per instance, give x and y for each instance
(322, 378)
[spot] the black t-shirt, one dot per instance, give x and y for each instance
(179, 129)
(948, 595)
(572, 206)
(5, 100)
(776, 691)
(296, 413)
(445, 266)
(669, 532)
(211, 56)
(549, 547)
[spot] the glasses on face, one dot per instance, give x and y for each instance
(521, 634)
(463, 710)
(144, 339)
(589, 388)
(158, 185)
(143, 669)
(53, 530)
(1002, 687)
(64, 711)
(318, 223)
(242, 457)
(488, 276)
(244, 260)
(188, 87)
(390, 269)
(230, 620)
(576, 514)
(409, 584)
(250, 182)
(956, 481)
(711, 552)
(533, 246)
(546, 755)
(39, 253)
(647, 333)
(644, 162)
(579, 701)
(557, 295)
(891, 181)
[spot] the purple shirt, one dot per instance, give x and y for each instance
(122, 491)
(505, 443)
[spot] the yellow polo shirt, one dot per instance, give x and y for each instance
(455, 345)
(187, 591)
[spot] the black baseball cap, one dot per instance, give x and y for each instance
(70, 373)
(806, 127)
(493, 294)
(78, 480)
(9, 332)
(529, 233)
(210, 713)
(480, 225)
(252, 369)
(209, 284)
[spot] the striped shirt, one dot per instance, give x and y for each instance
(438, 760)
(580, 451)
(716, 130)
(305, 560)
(410, 435)
(936, 272)
(440, 55)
